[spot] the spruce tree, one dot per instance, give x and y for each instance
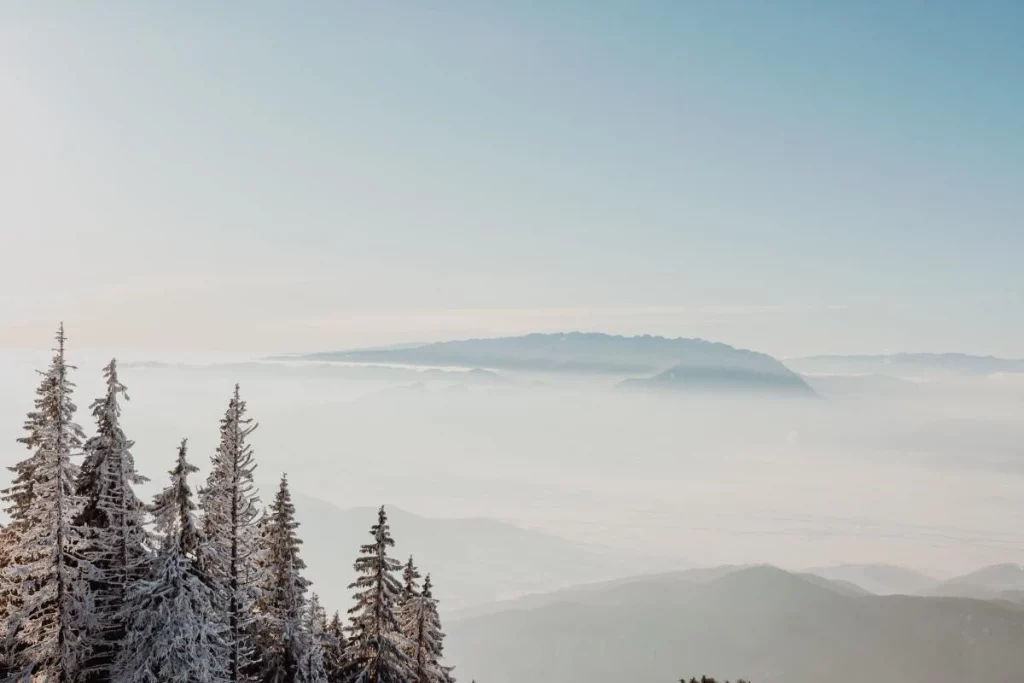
(174, 634)
(407, 602)
(312, 666)
(334, 657)
(174, 511)
(18, 497)
(283, 591)
(49, 600)
(230, 506)
(115, 548)
(410, 587)
(376, 646)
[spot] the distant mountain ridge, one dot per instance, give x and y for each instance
(691, 363)
(879, 579)
(907, 363)
(608, 590)
(995, 582)
(760, 623)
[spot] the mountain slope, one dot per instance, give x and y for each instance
(621, 591)
(761, 623)
(571, 352)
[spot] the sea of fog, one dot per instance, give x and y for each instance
(934, 482)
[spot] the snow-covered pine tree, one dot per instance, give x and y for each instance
(422, 628)
(334, 657)
(283, 591)
(20, 493)
(410, 582)
(230, 505)
(116, 544)
(376, 645)
(173, 632)
(446, 671)
(311, 666)
(49, 610)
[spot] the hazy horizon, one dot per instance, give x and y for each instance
(809, 463)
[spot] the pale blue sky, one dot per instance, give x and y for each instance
(795, 176)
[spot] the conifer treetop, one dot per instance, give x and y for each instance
(410, 580)
(108, 471)
(174, 510)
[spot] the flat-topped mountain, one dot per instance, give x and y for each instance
(573, 351)
(689, 363)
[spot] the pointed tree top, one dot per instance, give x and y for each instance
(236, 411)
(409, 575)
(381, 530)
(183, 467)
(427, 587)
(106, 409)
(173, 508)
(58, 357)
(114, 385)
(183, 464)
(283, 497)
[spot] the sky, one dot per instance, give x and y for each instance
(795, 177)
